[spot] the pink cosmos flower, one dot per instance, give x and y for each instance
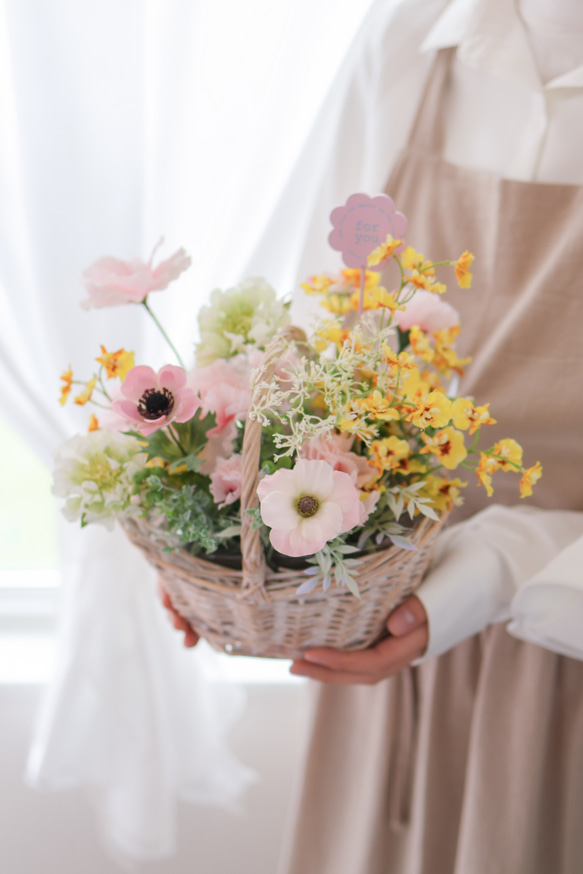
(152, 400)
(111, 282)
(226, 481)
(223, 390)
(428, 312)
(307, 506)
(335, 449)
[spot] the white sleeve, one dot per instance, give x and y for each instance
(514, 564)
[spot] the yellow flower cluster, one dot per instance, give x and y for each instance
(396, 401)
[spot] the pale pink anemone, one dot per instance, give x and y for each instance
(111, 282)
(226, 481)
(428, 312)
(307, 506)
(152, 400)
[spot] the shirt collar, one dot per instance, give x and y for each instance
(491, 37)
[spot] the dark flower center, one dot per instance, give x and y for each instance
(307, 505)
(155, 403)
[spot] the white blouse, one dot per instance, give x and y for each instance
(521, 78)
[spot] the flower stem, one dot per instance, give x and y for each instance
(174, 437)
(164, 334)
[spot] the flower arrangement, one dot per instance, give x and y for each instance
(361, 429)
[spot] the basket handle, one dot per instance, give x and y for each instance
(251, 549)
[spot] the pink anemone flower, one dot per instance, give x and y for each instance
(308, 506)
(152, 400)
(111, 282)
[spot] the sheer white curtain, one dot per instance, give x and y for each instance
(121, 120)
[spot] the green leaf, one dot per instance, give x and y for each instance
(193, 434)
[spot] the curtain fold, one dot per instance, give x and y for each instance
(121, 120)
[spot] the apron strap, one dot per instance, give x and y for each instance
(427, 131)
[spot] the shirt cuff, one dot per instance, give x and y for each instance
(466, 590)
(548, 609)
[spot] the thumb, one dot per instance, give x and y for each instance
(407, 617)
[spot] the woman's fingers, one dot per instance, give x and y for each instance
(366, 666)
(407, 616)
(191, 638)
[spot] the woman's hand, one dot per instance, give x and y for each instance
(409, 631)
(191, 638)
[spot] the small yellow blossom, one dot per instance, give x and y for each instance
(529, 478)
(67, 378)
(402, 361)
(412, 260)
(384, 251)
(377, 406)
(117, 364)
(351, 277)
(415, 385)
(426, 281)
(155, 462)
(93, 423)
(510, 452)
(409, 465)
(448, 446)
(433, 411)
(317, 284)
(486, 467)
(85, 394)
(444, 493)
(462, 269)
(465, 415)
(332, 333)
(420, 344)
(388, 453)
(385, 300)
(446, 358)
(338, 304)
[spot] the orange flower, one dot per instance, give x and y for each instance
(93, 423)
(116, 363)
(67, 378)
(462, 269)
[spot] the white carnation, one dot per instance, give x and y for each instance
(95, 474)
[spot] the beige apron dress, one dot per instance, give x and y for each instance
(473, 762)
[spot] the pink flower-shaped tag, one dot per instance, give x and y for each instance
(362, 225)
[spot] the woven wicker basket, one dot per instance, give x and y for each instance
(256, 611)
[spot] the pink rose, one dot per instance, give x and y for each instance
(368, 503)
(223, 390)
(335, 449)
(307, 506)
(428, 312)
(152, 400)
(226, 481)
(111, 282)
